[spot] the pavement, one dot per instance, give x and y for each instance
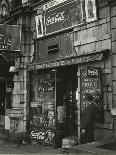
(104, 147)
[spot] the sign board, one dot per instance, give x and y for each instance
(65, 62)
(52, 3)
(93, 72)
(93, 86)
(46, 136)
(10, 37)
(63, 17)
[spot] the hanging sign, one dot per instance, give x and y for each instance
(10, 37)
(63, 17)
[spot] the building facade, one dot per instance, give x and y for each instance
(67, 50)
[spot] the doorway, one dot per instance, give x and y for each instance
(3, 70)
(66, 104)
(2, 102)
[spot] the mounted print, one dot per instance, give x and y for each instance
(39, 26)
(91, 11)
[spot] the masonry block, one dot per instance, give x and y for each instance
(104, 13)
(113, 22)
(113, 34)
(113, 10)
(114, 73)
(114, 47)
(113, 60)
(114, 100)
(108, 71)
(114, 87)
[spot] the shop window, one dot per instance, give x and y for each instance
(42, 108)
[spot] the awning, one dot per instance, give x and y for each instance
(68, 61)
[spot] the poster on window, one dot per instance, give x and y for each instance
(90, 9)
(39, 25)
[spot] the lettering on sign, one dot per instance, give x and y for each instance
(5, 43)
(65, 62)
(37, 135)
(91, 84)
(46, 136)
(63, 17)
(55, 18)
(52, 3)
(93, 72)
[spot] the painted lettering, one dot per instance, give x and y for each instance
(55, 19)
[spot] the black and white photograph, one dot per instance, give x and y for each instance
(58, 77)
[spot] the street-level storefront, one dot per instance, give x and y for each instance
(9, 49)
(72, 57)
(57, 95)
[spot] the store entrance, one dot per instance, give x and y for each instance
(2, 91)
(2, 103)
(66, 104)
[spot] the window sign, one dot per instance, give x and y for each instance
(39, 25)
(91, 84)
(93, 72)
(90, 9)
(10, 37)
(63, 17)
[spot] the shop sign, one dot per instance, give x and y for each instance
(63, 17)
(44, 135)
(93, 86)
(10, 37)
(93, 72)
(52, 3)
(68, 61)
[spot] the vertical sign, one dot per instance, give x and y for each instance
(91, 84)
(39, 26)
(42, 110)
(90, 9)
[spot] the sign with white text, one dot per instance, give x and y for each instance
(10, 37)
(52, 3)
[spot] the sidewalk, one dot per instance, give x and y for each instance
(104, 147)
(27, 149)
(97, 148)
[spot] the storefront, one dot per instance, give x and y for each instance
(71, 59)
(57, 97)
(9, 49)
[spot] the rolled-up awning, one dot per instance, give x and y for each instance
(68, 61)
